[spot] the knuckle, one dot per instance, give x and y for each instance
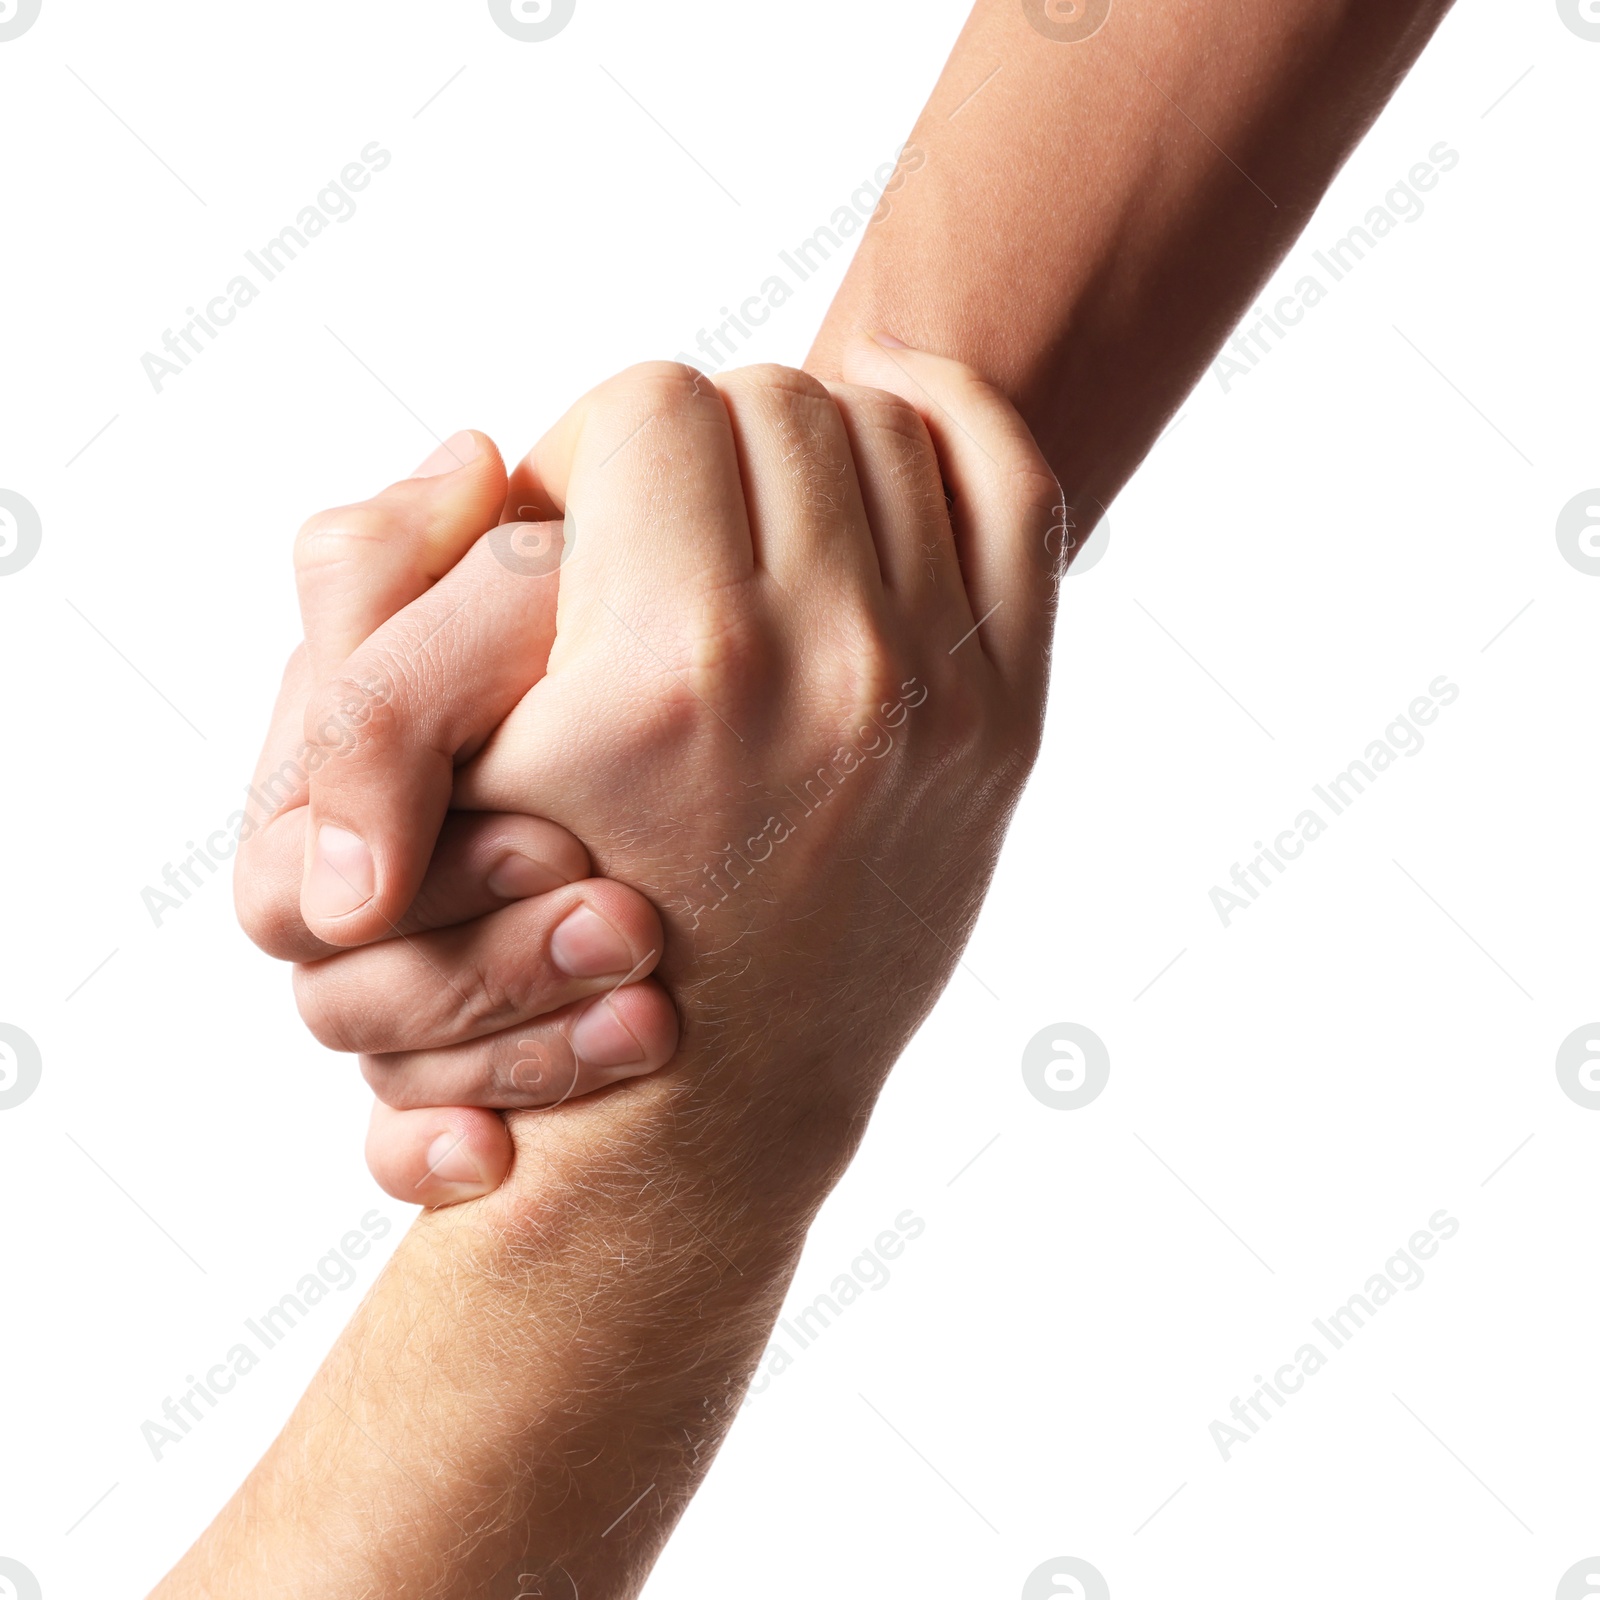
(340, 537)
(721, 660)
(798, 417)
(488, 999)
(970, 379)
(269, 923)
(770, 380)
(639, 401)
(329, 1023)
(501, 980)
(656, 386)
(352, 710)
(390, 1084)
(861, 675)
(1033, 489)
(903, 447)
(732, 650)
(884, 412)
(532, 1066)
(492, 838)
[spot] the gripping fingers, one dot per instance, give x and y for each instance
(450, 667)
(443, 988)
(626, 1033)
(1006, 499)
(484, 860)
(357, 565)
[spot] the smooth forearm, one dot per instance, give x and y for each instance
(1083, 222)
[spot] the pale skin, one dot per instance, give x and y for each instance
(538, 1382)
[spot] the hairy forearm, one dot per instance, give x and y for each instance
(1084, 222)
(531, 1393)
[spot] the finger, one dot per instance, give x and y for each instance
(439, 1156)
(904, 496)
(627, 1033)
(655, 435)
(440, 988)
(357, 565)
(430, 685)
(274, 816)
(482, 862)
(806, 513)
(1006, 501)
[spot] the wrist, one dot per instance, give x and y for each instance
(750, 1163)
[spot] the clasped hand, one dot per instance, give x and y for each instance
(693, 742)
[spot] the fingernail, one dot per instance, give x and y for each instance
(518, 877)
(456, 451)
(889, 342)
(599, 1038)
(585, 945)
(450, 1160)
(342, 875)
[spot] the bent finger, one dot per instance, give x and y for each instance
(1006, 501)
(357, 565)
(439, 1156)
(427, 688)
(484, 861)
(441, 988)
(627, 1033)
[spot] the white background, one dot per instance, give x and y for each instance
(1288, 1102)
